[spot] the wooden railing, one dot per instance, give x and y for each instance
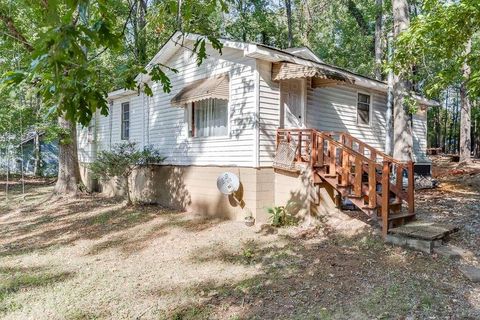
(356, 168)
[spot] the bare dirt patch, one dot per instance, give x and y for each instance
(94, 258)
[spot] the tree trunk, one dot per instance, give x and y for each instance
(358, 16)
(445, 125)
(378, 40)
(455, 123)
(389, 113)
(68, 170)
(141, 32)
(466, 111)
(288, 6)
(127, 189)
(37, 154)
(402, 131)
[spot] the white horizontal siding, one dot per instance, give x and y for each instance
(335, 109)
(84, 147)
(153, 120)
(332, 109)
(269, 109)
(420, 137)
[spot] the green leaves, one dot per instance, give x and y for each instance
(436, 42)
(11, 78)
(122, 159)
(85, 48)
(158, 75)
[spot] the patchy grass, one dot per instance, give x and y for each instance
(13, 280)
(94, 258)
(82, 315)
(194, 312)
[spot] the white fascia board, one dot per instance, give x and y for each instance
(426, 102)
(120, 93)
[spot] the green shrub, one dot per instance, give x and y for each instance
(280, 216)
(122, 160)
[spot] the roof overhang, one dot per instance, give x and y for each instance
(288, 70)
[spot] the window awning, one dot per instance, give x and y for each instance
(319, 75)
(210, 88)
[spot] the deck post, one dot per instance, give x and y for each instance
(333, 158)
(372, 185)
(357, 186)
(314, 143)
(277, 140)
(411, 187)
(320, 153)
(345, 168)
(299, 156)
(385, 196)
(399, 180)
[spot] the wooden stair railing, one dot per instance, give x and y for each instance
(356, 170)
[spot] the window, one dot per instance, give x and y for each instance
(363, 109)
(125, 120)
(209, 118)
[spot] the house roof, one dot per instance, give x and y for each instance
(302, 56)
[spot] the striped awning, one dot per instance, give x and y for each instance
(210, 88)
(319, 75)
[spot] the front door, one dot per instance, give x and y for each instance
(292, 103)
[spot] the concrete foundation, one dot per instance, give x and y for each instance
(194, 188)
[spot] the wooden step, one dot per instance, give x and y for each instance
(352, 196)
(330, 175)
(400, 216)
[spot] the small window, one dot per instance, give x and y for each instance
(209, 118)
(363, 109)
(125, 120)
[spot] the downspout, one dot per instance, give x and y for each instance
(110, 114)
(148, 120)
(143, 116)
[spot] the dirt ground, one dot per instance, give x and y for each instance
(94, 258)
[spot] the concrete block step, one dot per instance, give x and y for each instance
(452, 252)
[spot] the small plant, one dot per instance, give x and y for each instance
(280, 216)
(248, 251)
(122, 160)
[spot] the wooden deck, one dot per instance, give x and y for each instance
(372, 180)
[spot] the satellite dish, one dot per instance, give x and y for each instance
(228, 183)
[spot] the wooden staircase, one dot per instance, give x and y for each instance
(372, 180)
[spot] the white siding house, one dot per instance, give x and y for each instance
(256, 107)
